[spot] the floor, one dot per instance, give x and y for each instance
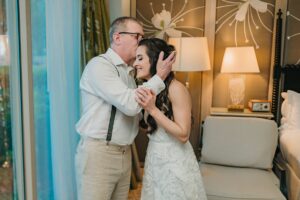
(135, 194)
(6, 183)
(6, 186)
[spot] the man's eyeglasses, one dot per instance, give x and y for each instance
(137, 36)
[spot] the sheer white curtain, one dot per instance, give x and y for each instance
(63, 19)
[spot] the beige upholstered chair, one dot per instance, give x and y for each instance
(237, 157)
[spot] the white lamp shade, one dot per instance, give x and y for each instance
(239, 60)
(192, 54)
(4, 50)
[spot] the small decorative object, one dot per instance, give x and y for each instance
(256, 105)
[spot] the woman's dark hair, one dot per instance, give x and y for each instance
(153, 48)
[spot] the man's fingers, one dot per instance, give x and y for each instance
(171, 57)
(161, 55)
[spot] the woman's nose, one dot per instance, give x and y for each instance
(134, 64)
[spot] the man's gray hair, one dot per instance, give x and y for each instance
(120, 24)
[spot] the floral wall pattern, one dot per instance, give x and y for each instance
(243, 23)
(171, 18)
(247, 14)
(292, 39)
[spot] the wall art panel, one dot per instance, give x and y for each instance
(243, 23)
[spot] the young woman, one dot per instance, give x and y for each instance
(171, 170)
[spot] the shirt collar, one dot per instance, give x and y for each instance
(118, 61)
(115, 58)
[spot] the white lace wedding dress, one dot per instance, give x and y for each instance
(171, 171)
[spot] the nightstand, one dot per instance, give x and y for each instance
(219, 111)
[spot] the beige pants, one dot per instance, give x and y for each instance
(103, 171)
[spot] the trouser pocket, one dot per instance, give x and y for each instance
(81, 158)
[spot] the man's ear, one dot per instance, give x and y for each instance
(116, 39)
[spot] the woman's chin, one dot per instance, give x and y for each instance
(140, 77)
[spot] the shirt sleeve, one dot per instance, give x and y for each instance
(155, 84)
(101, 79)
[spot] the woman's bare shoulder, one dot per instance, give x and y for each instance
(178, 90)
(175, 84)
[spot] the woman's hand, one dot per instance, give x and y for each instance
(146, 98)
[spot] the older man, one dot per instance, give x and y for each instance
(109, 121)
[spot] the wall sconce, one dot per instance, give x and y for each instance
(4, 51)
(238, 60)
(192, 55)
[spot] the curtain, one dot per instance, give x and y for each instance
(15, 100)
(95, 29)
(63, 66)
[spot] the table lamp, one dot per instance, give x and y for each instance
(238, 61)
(192, 55)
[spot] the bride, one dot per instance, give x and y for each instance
(171, 170)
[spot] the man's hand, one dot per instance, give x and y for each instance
(164, 67)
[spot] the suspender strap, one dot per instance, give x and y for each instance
(113, 109)
(111, 123)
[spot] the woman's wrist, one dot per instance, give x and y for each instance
(153, 111)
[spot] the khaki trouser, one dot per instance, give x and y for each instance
(103, 171)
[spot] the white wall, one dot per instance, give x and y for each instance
(118, 8)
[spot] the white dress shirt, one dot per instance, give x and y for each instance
(101, 87)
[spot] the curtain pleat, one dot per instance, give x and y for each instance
(63, 68)
(95, 29)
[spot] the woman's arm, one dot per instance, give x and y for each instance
(181, 105)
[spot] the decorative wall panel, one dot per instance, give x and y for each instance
(292, 39)
(243, 23)
(172, 18)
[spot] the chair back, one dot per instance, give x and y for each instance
(239, 141)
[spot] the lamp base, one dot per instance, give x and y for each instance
(235, 108)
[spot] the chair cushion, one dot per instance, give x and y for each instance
(290, 148)
(239, 141)
(232, 183)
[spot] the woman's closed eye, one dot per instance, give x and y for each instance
(139, 58)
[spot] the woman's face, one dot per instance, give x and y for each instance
(142, 64)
